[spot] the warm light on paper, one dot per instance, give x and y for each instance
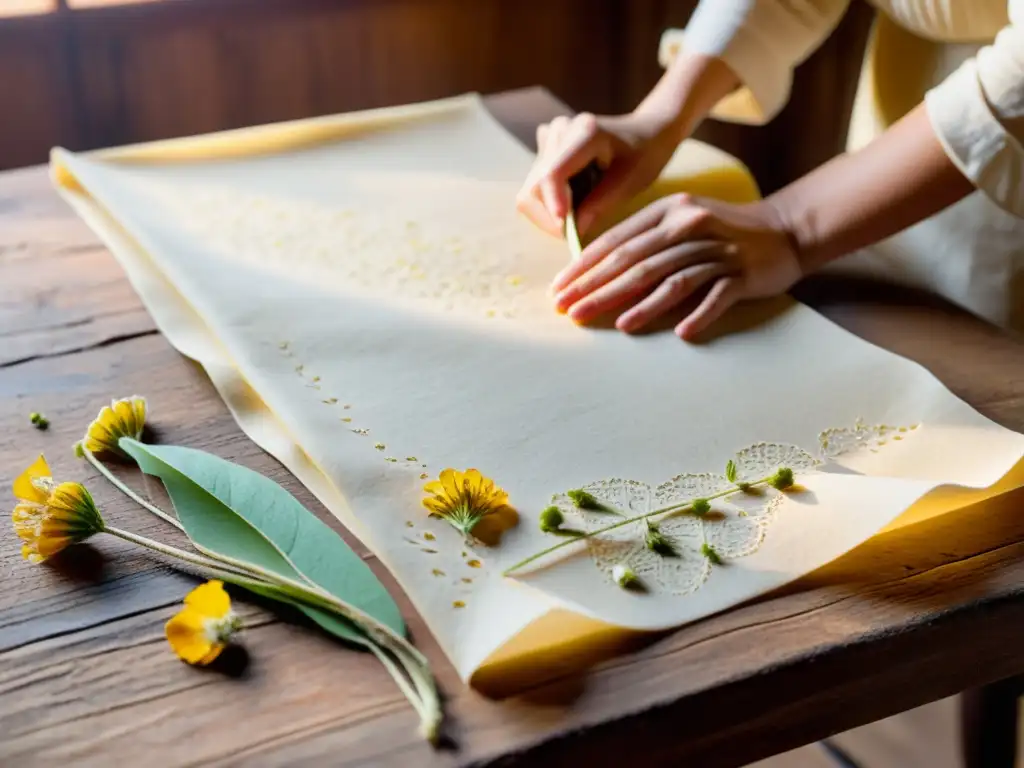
(373, 310)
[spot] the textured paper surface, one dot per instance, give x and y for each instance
(373, 310)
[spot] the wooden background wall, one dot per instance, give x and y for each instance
(93, 77)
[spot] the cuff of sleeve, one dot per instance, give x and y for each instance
(765, 88)
(974, 139)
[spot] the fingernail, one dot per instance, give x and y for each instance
(563, 301)
(625, 323)
(578, 312)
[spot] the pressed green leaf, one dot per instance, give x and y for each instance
(731, 472)
(240, 514)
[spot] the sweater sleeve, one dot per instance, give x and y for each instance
(762, 41)
(978, 116)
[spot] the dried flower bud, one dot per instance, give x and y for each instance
(551, 519)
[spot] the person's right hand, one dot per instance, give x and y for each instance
(631, 149)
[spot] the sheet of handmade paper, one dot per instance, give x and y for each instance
(379, 293)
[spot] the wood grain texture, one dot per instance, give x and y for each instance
(36, 100)
(908, 617)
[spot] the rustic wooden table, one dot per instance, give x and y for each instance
(86, 676)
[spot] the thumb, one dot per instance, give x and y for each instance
(618, 185)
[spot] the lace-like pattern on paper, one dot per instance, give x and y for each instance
(735, 527)
(837, 442)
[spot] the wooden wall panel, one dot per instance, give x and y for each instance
(192, 73)
(36, 101)
(115, 75)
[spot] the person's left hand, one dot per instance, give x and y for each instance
(652, 262)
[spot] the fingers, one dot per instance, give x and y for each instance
(670, 293)
(593, 254)
(565, 147)
(617, 186)
(554, 193)
(533, 209)
(528, 200)
(723, 294)
(676, 217)
(633, 283)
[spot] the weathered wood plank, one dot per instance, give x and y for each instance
(739, 673)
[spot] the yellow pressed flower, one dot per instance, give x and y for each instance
(122, 418)
(49, 516)
(463, 498)
(204, 627)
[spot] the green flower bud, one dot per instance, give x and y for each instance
(782, 479)
(658, 542)
(79, 450)
(700, 507)
(709, 552)
(551, 519)
(583, 500)
(624, 576)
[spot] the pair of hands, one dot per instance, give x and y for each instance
(672, 250)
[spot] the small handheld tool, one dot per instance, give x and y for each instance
(580, 185)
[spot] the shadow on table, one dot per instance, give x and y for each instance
(881, 566)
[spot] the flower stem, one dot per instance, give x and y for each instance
(424, 698)
(396, 658)
(310, 592)
(181, 554)
(128, 491)
(663, 511)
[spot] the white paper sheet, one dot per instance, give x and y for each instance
(371, 307)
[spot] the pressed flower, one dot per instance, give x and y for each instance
(122, 418)
(49, 516)
(204, 627)
(463, 498)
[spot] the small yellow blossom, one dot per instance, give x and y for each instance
(463, 498)
(204, 627)
(122, 418)
(50, 517)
